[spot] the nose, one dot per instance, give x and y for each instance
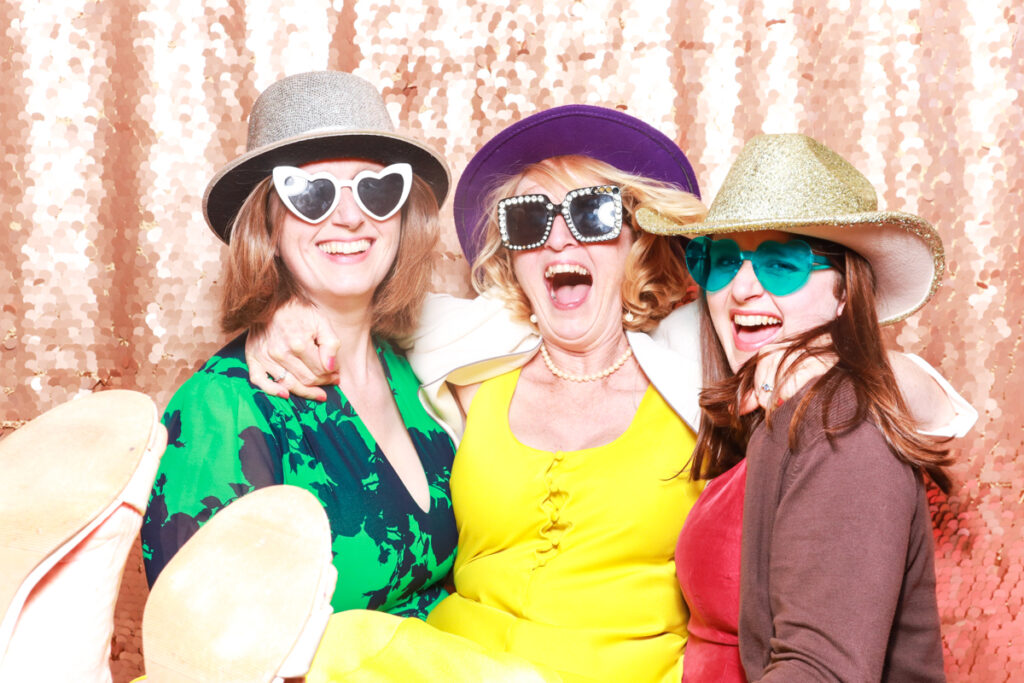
(560, 237)
(347, 213)
(745, 285)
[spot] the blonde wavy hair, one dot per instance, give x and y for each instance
(656, 280)
(257, 282)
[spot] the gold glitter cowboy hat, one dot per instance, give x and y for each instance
(311, 117)
(796, 184)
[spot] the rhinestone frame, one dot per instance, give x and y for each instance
(563, 208)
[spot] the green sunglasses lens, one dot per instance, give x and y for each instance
(697, 260)
(713, 263)
(781, 267)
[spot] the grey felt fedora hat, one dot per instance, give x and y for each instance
(310, 117)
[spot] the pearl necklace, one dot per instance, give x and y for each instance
(561, 374)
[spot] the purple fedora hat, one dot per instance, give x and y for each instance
(608, 135)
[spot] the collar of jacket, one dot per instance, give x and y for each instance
(466, 341)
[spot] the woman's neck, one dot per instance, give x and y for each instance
(352, 326)
(596, 357)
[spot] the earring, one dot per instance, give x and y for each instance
(629, 317)
(533, 318)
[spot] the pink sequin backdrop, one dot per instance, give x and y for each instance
(115, 114)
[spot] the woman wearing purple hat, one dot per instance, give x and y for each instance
(575, 376)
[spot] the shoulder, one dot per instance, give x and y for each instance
(857, 456)
(223, 375)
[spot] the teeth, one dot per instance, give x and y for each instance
(344, 247)
(755, 320)
(560, 268)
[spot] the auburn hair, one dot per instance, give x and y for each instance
(656, 280)
(257, 282)
(854, 340)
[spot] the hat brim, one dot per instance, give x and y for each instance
(608, 135)
(228, 190)
(904, 250)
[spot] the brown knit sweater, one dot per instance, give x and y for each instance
(838, 578)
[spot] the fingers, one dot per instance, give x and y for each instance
(328, 345)
(796, 372)
(312, 392)
(750, 402)
(300, 356)
(259, 375)
(274, 379)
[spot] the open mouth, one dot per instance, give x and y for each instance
(345, 248)
(568, 283)
(752, 331)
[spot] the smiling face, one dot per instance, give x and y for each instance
(574, 288)
(348, 254)
(747, 317)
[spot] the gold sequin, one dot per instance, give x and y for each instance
(115, 116)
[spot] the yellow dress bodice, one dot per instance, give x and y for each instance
(566, 559)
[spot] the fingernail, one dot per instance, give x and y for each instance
(282, 394)
(330, 363)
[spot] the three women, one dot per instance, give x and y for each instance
(574, 573)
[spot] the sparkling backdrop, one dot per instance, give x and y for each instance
(114, 115)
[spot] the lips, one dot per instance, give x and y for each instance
(568, 284)
(751, 331)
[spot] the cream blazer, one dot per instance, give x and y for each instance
(466, 341)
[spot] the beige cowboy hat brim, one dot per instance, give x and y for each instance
(231, 186)
(904, 250)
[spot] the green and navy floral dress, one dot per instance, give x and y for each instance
(226, 438)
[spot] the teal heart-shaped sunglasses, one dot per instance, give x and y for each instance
(781, 267)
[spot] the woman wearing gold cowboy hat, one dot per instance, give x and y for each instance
(823, 492)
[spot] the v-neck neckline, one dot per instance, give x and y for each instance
(381, 353)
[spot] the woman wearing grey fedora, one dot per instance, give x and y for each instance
(329, 206)
(809, 555)
(576, 371)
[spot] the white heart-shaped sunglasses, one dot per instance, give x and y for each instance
(312, 197)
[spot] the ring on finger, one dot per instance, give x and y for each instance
(766, 387)
(283, 377)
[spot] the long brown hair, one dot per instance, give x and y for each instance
(854, 339)
(257, 283)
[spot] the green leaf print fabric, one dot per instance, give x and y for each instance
(226, 438)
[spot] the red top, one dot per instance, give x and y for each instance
(708, 568)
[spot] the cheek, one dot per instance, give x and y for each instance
(718, 311)
(716, 302)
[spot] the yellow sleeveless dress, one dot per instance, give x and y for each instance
(565, 563)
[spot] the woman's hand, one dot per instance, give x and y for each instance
(295, 353)
(768, 396)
